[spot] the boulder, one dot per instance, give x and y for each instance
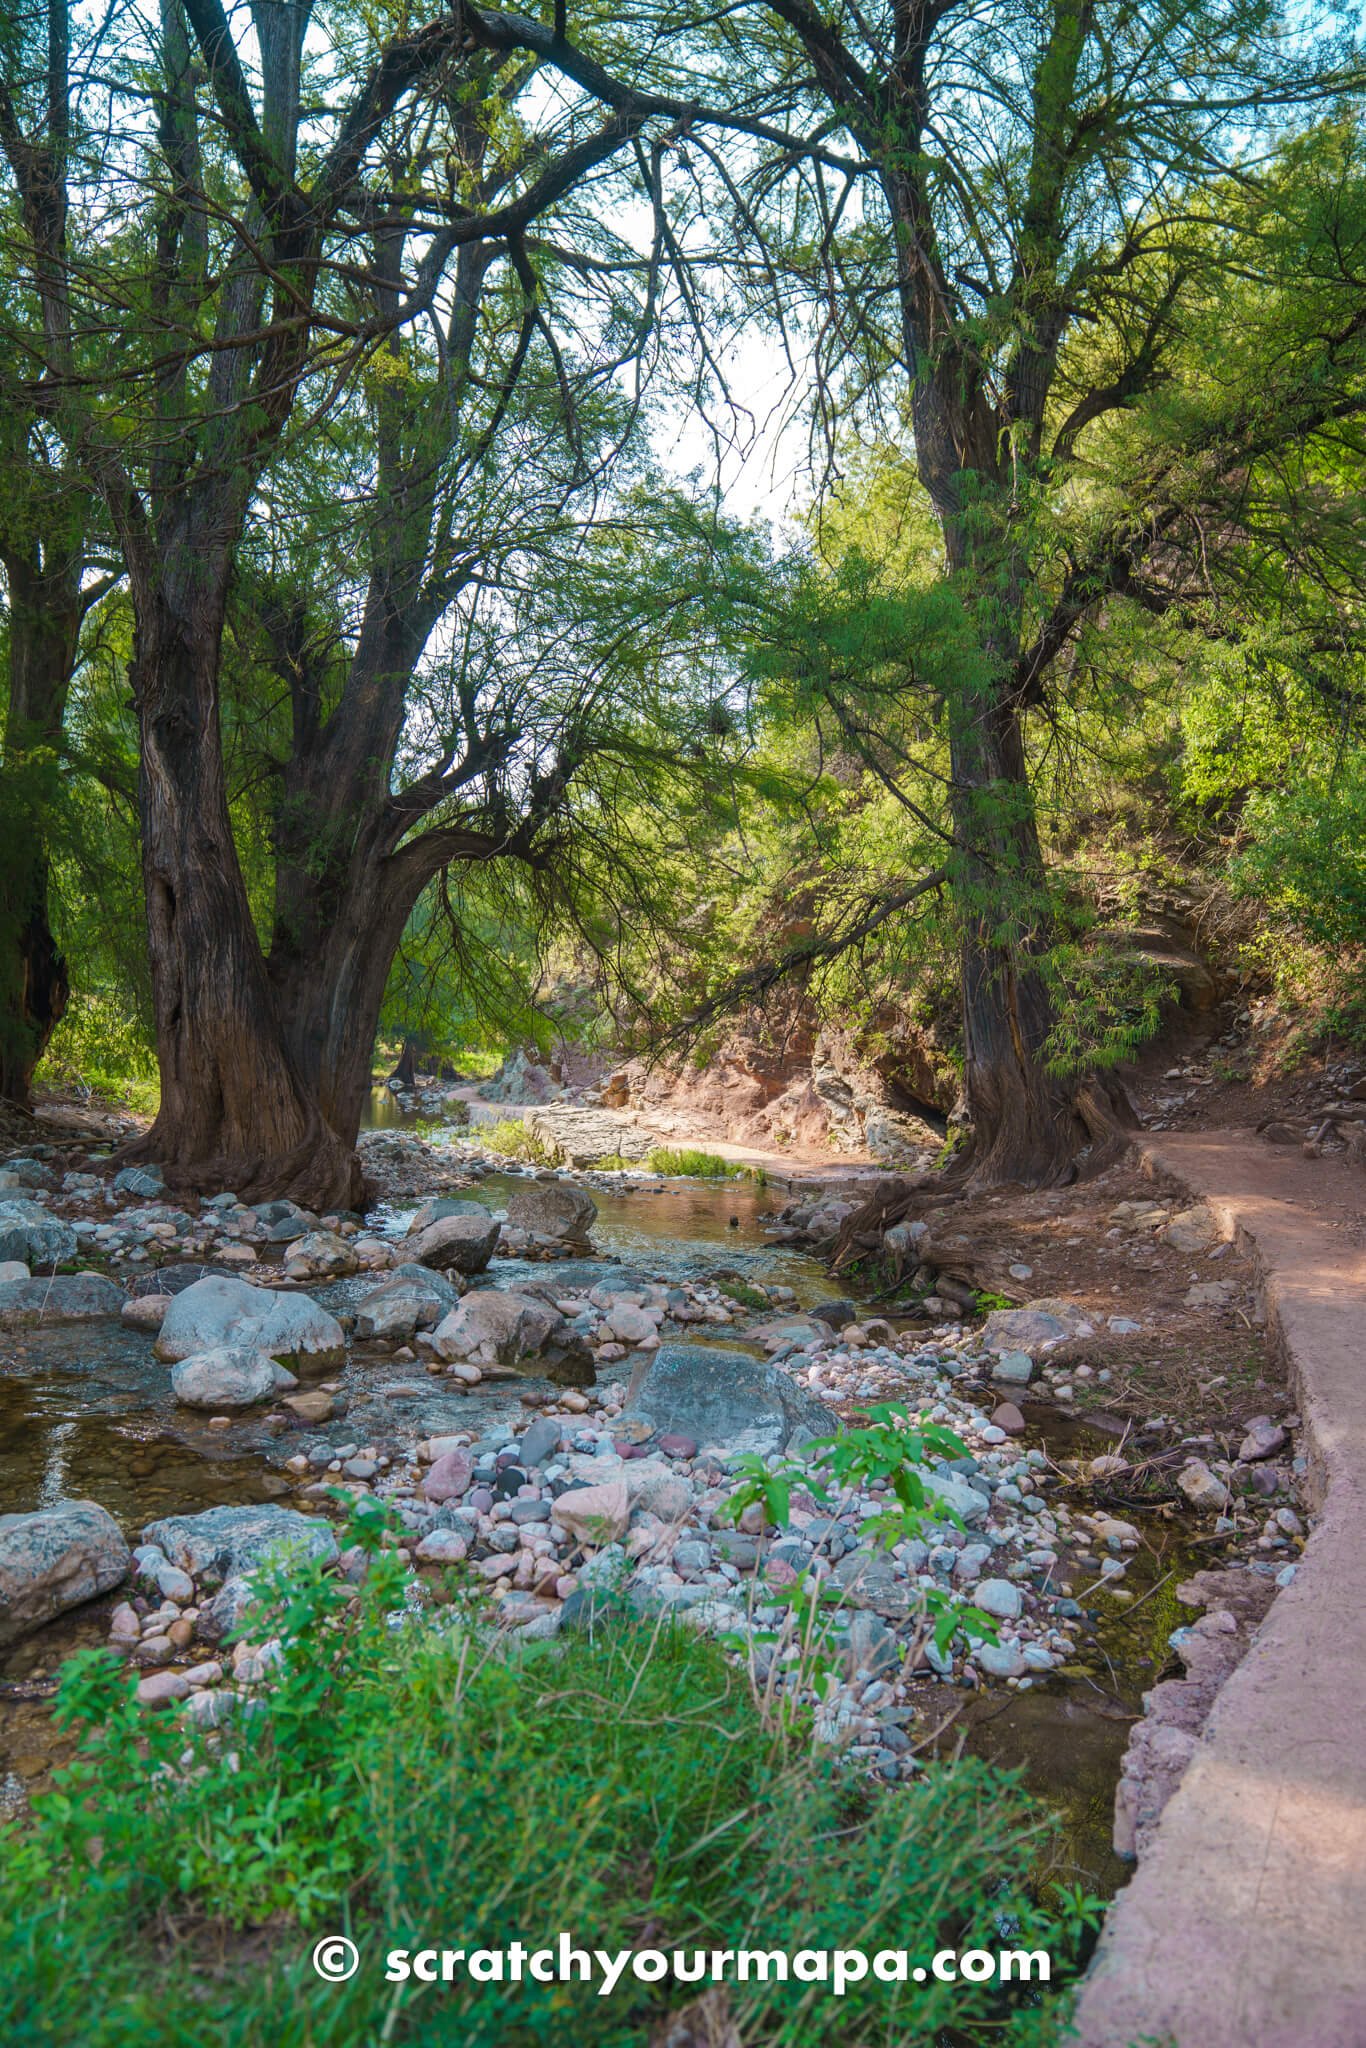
(1191, 1230)
(786, 1333)
(464, 1244)
(952, 1492)
(449, 1478)
(322, 1254)
(581, 1136)
(225, 1312)
(234, 1376)
(222, 1543)
(446, 1205)
(1264, 1438)
(555, 1211)
(595, 1515)
(30, 1233)
(145, 1311)
(413, 1298)
(1015, 1368)
(315, 1406)
(55, 1559)
(64, 1298)
(1036, 1324)
(539, 1442)
(719, 1396)
(13, 1269)
(650, 1483)
(520, 1080)
(1000, 1598)
(148, 1181)
(492, 1326)
(29, 1173)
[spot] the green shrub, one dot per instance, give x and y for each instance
(513, 1139)
(102, 1045)
(703, 1166)
(415, 1787)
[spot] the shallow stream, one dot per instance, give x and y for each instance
(87, 1412)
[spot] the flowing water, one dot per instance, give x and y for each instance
(87, 1412)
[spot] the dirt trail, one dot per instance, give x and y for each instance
(1242, 1926)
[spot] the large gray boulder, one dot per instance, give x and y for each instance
(413, 1298)
(1046, 1321)
(493, 1326)
(29, 1232)
(222, 1543)
(723, 1398)
(234, 1376)
(218, 1313)
(463, 1244)
(55, 1559)
(62, 1298)
(446, 1205)
(554, 1210)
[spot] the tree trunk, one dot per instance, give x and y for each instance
(44, 631)
(236, 1112)
(329, 967)
(1027, 1124)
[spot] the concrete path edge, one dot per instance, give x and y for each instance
(1245, 1925)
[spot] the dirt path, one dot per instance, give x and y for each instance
(1242, 1928)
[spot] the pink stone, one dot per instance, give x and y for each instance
(497, 1567)
(449, 1477)
(595, 1514)
(160, 1688)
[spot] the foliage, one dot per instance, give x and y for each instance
(512, 1138)
(693, 1165)
(886, 1453)
(415, 1785)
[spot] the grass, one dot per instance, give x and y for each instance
(512, 1139)
(415, 1787)
(703, 1166)
(745, 1296)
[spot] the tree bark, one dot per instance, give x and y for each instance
(235, 1110)
(1028, 1124)
(45, 610)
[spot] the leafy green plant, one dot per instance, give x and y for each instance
(886, 1453)
(425, 1783)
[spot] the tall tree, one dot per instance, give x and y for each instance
(263, 213)
(1030, 174)
(47, 519)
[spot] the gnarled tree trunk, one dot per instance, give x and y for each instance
(235, 1112)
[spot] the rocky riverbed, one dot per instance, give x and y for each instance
(555, 1383)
